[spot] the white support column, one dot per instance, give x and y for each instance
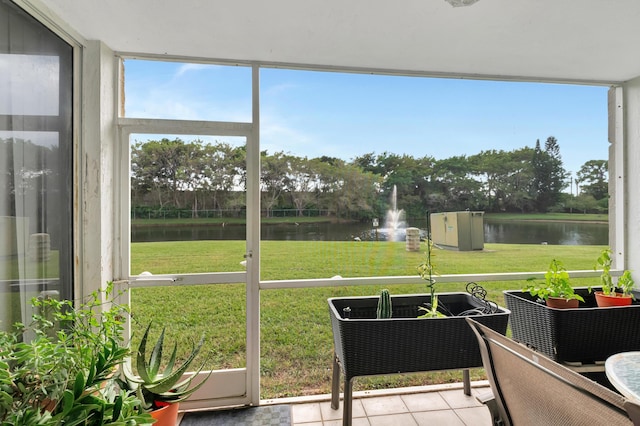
(628, 155)
(616, 174)
(253, 247)
(96, 159)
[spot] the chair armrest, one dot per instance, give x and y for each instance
(486, 397)
(633, 410)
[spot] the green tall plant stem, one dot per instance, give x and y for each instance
(427, 270)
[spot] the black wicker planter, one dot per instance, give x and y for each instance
(366, 346)
(585, 335)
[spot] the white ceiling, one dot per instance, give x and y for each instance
(567, 40)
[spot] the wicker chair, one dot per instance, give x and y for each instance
(531, 389)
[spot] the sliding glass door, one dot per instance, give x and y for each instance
(36, 159)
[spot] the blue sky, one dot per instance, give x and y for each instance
(344, 115)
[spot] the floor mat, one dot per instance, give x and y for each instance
(267, 415)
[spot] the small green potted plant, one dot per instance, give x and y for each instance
(556, 290)
(613, 294)
(160, 391)
(385, 306)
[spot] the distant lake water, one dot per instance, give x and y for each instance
(509, 232)
(555, 233)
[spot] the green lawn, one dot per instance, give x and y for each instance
(296, 339)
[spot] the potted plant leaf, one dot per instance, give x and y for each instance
(556, 291)
(161, 390)
(613, 294)
(65, 373)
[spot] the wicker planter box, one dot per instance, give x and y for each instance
(587, 334)
(367, 346)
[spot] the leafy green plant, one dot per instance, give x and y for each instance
(64, 375)
(156, 388)
(556, 284)
(625, 281)
(427, 271)
(604, 262)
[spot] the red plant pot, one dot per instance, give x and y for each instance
(614, 299)
(166, 416)
(562, 303)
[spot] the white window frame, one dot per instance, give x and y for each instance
(216, 392)
(128, 126)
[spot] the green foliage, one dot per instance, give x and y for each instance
(385, 309)
(63, 375)
(625, 281)
(181, 179)
(153, 386)
(592, 178)
(427, 271)
(604, 262)
(163, 169)
(431, 311)
(506, 179)
(586, 204)
(556, 284)
(549, 175)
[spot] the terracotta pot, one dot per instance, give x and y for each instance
(562, 303)
(49, 404)
(166, 416)
(614, 299)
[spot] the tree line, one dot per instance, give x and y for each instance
(174, 174)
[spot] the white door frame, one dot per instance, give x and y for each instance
(239, 386)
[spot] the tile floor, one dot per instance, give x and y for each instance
(443, 405)
(437, 405)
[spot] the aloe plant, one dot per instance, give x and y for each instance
(155, 387)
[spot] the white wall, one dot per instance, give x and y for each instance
(97, 166)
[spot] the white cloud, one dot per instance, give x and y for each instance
(276, 134)
(185, 68)
(276, 89)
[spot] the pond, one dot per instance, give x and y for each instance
(537, 232)
(509, 232)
